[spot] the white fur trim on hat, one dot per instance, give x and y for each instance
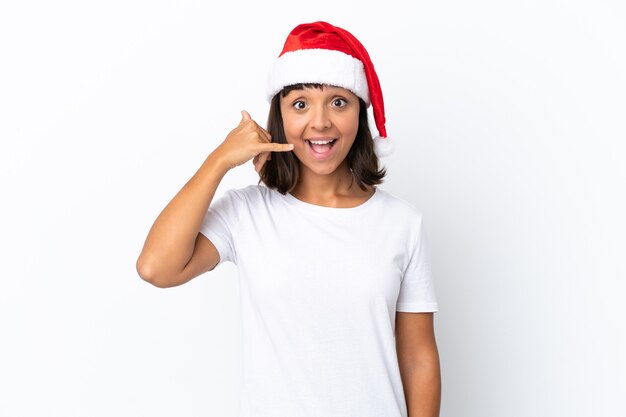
(323, 66)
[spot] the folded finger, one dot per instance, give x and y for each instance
(265, 134)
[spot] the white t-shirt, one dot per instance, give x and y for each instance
(319, 288)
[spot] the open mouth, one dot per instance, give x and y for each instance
(321, 148)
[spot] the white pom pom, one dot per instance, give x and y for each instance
(383, 146)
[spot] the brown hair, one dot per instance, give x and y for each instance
(282, 172)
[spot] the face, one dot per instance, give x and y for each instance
(320, 115)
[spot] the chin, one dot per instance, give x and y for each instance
(319, 168)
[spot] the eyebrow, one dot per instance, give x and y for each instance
(328, 90)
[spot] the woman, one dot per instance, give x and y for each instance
(337, 297)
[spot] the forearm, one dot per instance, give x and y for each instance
(422, 388)
(171, 240)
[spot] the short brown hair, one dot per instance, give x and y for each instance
(282, 172)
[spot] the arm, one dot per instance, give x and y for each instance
(165, 260)
(175, 251)
(419, 363)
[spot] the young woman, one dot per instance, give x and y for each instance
(337, 296)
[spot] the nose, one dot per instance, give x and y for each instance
(320, 119)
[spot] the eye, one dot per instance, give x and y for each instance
(299, 105)
(340, 102)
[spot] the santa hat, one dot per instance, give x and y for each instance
(322, 53)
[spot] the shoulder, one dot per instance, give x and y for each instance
(399, 206)
(252, 194)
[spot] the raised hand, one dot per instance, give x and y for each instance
(247, 141)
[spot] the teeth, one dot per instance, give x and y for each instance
(321, 142)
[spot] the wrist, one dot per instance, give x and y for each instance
(217, 160)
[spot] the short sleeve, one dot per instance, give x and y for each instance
(219, 224)
(417, 290)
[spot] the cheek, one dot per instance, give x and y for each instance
(350, 126)
(293, 128)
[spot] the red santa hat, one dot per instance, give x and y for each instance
(321, 53)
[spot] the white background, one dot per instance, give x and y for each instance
(508, 119)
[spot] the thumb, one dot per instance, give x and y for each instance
(245, 116)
